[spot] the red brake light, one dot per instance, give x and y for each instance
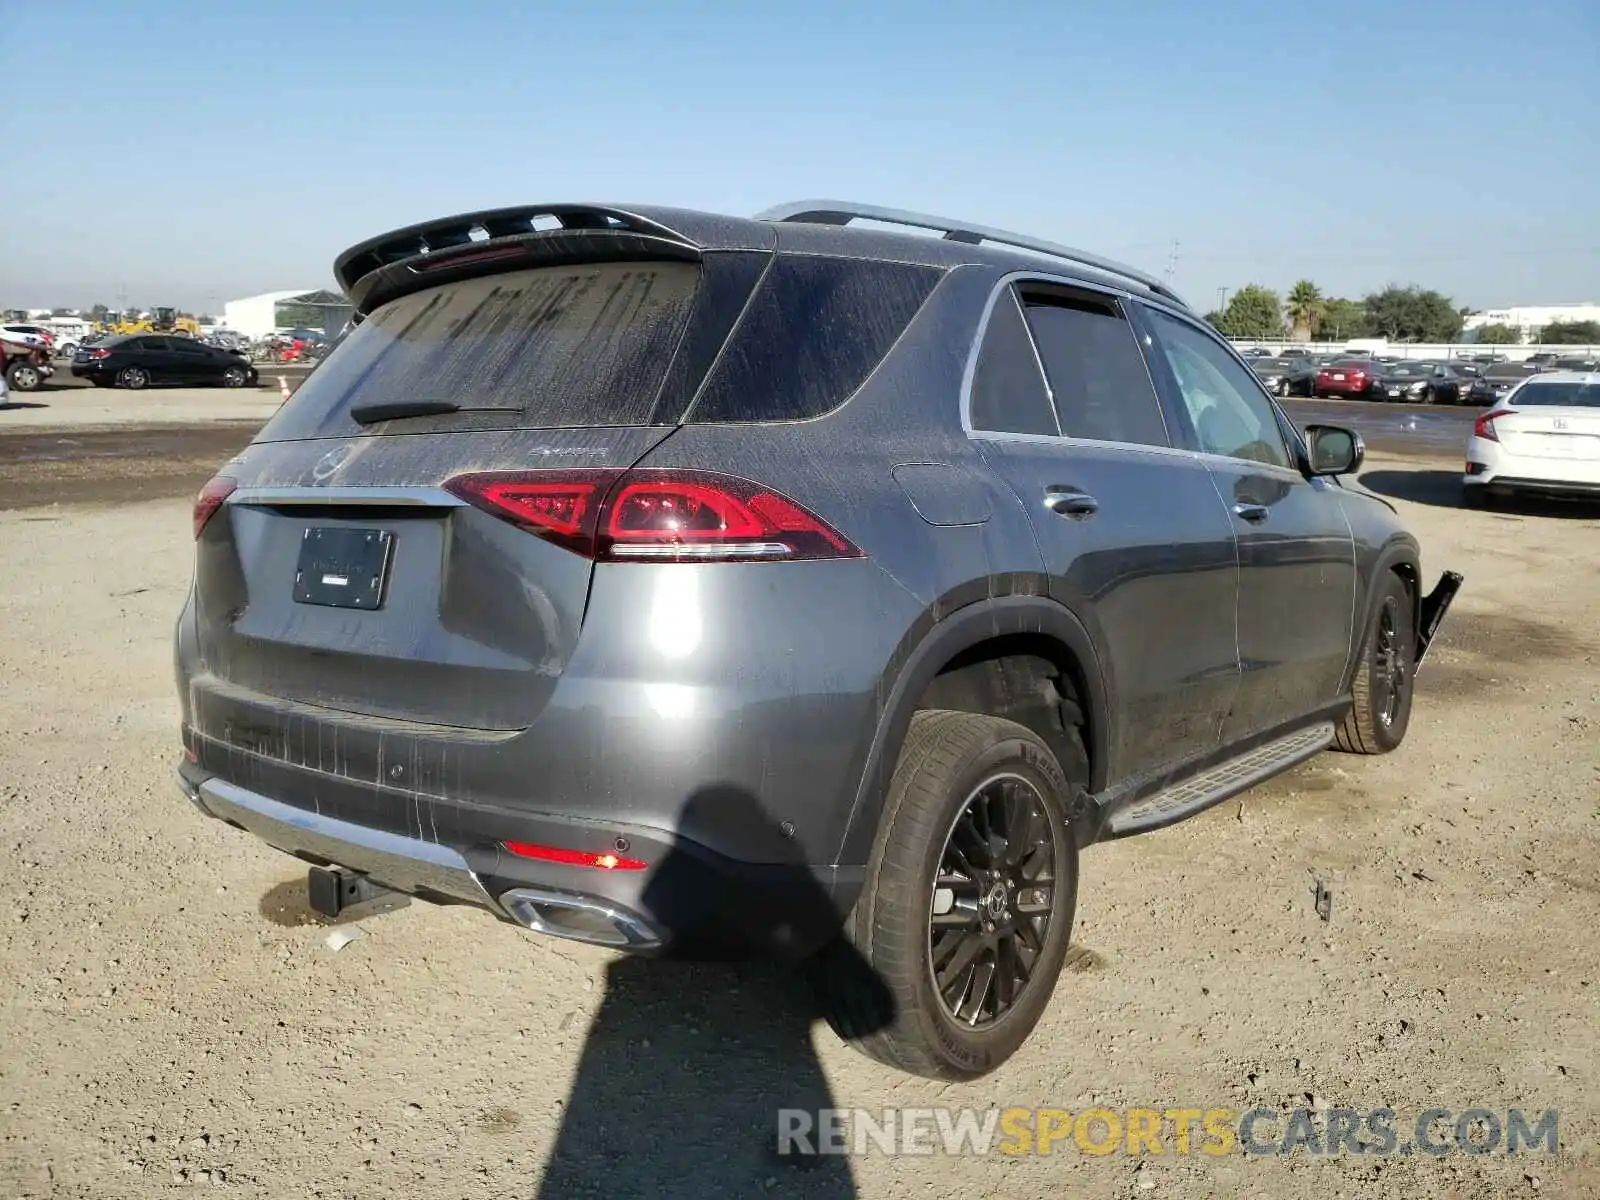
(1483, 427)
(210, 499)
(100, 353)
(655, 515)
(575, 858)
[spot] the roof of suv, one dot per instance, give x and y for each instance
(814, 227)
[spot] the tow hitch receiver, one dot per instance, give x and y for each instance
(335, 893)
(1431, 615)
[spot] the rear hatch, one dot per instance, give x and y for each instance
(341, 574)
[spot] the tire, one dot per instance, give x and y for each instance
(24, 377)
(876, 984)
(1283, 388)
(235, 377)
(133, 378)
(1384, 682)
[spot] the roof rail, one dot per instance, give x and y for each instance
(479, 228)
(842, 212)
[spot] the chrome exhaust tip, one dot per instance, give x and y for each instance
(579, 918)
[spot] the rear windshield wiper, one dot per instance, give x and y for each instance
(394, 410)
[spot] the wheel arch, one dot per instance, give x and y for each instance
(1012, 627)
(1400, 556)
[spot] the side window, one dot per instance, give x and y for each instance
(1230, 414)
(814, 331)
(1008, 392)
(149, 343)
(1097, 375)
(185, 346)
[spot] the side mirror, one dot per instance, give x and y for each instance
(1334, 450)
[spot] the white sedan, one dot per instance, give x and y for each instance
(1541, 437)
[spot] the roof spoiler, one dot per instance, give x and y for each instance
(404, 260)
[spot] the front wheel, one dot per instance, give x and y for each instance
(953, 949)
(234, 377)
(1381, 691)
(133, 378)
(24, 377)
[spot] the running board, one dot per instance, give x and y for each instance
(1213, 786)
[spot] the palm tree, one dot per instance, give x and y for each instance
(1305, 307)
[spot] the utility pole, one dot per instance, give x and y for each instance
(1222, 298)
(1172, 263)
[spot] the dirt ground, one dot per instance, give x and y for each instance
(172, 1018)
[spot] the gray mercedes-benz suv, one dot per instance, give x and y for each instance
(702, 585)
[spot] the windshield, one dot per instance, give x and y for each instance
(1510, 371)
(1270, 364)
(1564, 393)
(1411, 370)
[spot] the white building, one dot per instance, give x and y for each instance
(1530, 318)
(256, 316)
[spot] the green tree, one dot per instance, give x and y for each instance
(1499, 335)
(1305, 308)
(1343, 320)
(1571, 333)
(1253, 312)
(1410, 314)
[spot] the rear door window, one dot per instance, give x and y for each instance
(1097, 375)
(814, 331)
(1008, 390)
(552, 347)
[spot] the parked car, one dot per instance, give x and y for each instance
(1544, 358)
(580, 583)
(25, 363)
(142, 359)
(1498, 379)
(1574, 362)
(31, 335)
(1349, 378)
(1541, 438)
(1285, 376)
(1418, 383)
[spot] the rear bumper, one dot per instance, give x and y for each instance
(688, 901)
(1524, 485)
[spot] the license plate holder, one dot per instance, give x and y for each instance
(343, 568)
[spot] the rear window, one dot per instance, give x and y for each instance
(553, 347)
(1570, 393)
(814, 331)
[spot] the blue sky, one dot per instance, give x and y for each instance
(191, 153)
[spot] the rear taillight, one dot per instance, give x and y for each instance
(655, 515)
(97, 353)
(1483, 427)
(210, 499)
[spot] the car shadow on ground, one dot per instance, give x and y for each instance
(687, 1064)
(1442, 489)
(21, 404)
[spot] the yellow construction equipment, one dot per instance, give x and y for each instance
(160, 320)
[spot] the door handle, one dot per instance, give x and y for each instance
(1066, 503)
(1254, 513)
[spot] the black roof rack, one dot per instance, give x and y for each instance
(842, 212)
(499, 225)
